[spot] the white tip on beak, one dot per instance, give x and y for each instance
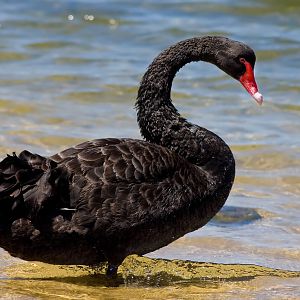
(258, 98)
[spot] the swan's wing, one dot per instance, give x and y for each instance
(118, 161)
(120, 183)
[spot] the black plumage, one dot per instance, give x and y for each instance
(107, 198)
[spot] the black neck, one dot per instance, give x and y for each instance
(159, 120)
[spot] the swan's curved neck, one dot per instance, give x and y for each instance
(157, 81)
(159, 120)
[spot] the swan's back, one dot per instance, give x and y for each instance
(119, 196)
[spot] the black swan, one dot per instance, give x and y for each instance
(108, 198)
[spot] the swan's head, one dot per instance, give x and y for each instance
(238, 60)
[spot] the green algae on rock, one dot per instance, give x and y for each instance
(141, 268)
(142, 278)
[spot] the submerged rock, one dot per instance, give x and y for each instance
(234, 215)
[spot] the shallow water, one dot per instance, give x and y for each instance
(70, 70)
(144, 278)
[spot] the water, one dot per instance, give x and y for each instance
(70, 71)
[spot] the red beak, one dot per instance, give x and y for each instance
(248, 81)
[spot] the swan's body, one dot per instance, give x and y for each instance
(108, 198)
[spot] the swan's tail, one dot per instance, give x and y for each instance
(31, 188)
(36, 215)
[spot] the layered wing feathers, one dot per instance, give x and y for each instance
(104, 186)
(120, 183)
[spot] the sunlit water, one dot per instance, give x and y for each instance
(70, 71)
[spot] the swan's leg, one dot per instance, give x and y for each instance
(112, 270)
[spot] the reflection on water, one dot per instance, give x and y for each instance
(67, 79)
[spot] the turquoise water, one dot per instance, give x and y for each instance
(70, 71)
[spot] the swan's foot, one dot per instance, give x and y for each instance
(112, 270)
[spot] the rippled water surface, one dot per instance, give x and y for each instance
(70, 71)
